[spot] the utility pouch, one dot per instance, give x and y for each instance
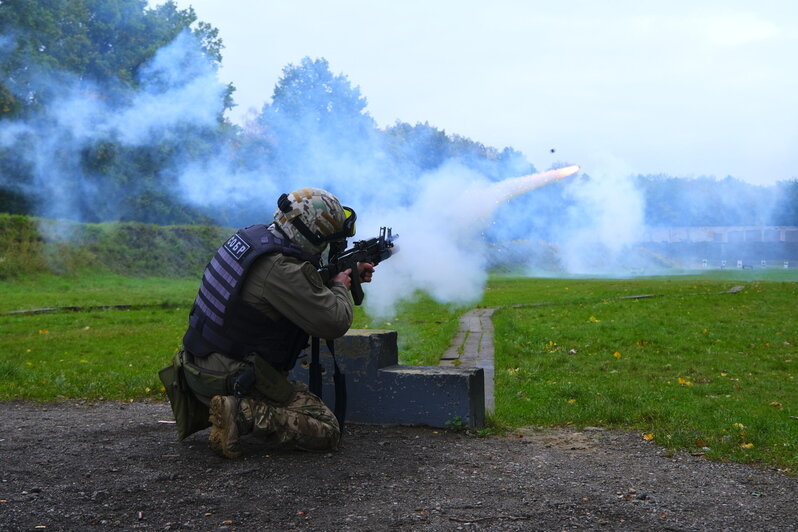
(191, 415)
(270, 382)
(206, 382)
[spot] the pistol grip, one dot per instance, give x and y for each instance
(356, 288)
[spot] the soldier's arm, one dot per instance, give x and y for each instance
(294, 289)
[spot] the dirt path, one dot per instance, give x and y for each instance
(108, 466)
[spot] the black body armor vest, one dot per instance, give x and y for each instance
(221, 321)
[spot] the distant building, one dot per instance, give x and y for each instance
(725, 247)
(734, 235)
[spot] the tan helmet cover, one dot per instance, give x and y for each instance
(318, 209)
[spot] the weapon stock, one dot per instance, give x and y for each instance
(373, 250)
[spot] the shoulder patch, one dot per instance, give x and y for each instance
(312, 275)
(237, 246)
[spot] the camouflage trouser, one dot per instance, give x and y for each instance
(304, 423)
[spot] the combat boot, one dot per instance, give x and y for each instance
(224, 438)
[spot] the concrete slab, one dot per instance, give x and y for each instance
(382, 392)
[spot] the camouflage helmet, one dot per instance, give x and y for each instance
(312, 217)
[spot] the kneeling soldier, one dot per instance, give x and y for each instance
(260, 299)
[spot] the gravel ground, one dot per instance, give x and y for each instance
(68, 466)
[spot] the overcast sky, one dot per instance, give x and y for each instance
(685, 88)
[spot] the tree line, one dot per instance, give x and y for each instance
(315, 125)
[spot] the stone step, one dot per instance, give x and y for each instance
(380, 391)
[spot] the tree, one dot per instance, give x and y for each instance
(310, 94)
(102, 41)
(94, 59)
(785, 211)
(705, 201)
(423, 146)
(427, 147)
(317, 123)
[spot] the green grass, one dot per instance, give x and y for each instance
(93, 289)
(424, 328)
(116, 354)
(92, 355)
(693, 368)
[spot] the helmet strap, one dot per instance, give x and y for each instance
(284, 204)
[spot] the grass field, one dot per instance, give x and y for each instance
(100, 350)
(680, 359)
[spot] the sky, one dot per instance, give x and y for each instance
(682, 88)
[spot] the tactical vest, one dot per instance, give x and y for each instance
(222, 322)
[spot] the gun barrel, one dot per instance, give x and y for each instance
(387, 253)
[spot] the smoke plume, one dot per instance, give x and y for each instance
(456, 218)
(178, 87)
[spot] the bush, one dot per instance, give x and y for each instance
(36, 245)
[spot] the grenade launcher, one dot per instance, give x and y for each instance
(373, 250)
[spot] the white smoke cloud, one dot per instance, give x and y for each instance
(444, 249)
(214, 184)
(609, 218)
(444, 217)
(452, 221)
(441, 248)
(178, 86)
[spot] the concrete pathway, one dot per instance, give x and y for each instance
(473, 347)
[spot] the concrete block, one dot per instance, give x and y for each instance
(379, 391)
